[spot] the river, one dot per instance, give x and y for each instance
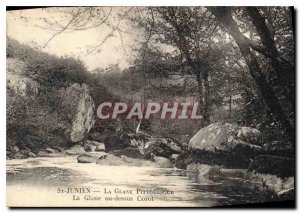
(41, 181)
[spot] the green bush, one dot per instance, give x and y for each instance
(42, 122)
(49, 70)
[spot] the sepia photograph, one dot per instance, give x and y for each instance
(150, 106)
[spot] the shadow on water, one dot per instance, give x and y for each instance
(43, 176)
(228, 189)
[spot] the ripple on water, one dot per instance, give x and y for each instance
(48, 176)
(190, 189)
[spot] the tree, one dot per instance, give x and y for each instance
(191, 36)
(185, 33)
(224, 15)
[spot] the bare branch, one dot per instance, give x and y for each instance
(62, 30)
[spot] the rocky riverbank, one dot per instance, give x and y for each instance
(214, 151)
(220, 147)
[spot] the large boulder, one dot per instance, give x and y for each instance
(223, 144)
(80, 105)
(267, 164)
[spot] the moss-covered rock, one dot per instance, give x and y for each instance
(222, 144)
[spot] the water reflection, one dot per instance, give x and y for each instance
(45, 175)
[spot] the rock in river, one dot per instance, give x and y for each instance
(219, 144)
(111, 160)
(100, 148)
(75, 150)
(163, 162)
(90, 158)
(50, 150)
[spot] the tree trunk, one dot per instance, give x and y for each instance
(184, 47)
(200, 91)
(230, 97)
(196, 70)
(283, 69)
(223, 14)
(206, 95)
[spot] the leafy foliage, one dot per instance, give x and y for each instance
(42, 121)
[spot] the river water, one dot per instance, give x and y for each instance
(41, 181)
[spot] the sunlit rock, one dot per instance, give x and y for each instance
(78, 101)
(163, 162)
(75, 150)
(250, 135)
(89, 157)
(220, 144)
